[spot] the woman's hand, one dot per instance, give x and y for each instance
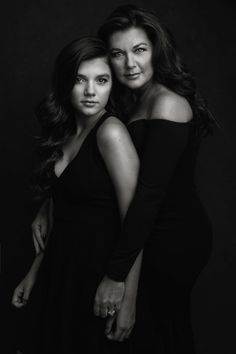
(108, 297)
(119, 326)
(41, 226)
(22, 292)
(39, 232)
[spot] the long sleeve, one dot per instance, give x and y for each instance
(165, 142)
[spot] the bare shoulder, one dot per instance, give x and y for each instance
(111, 131)
(169, 105)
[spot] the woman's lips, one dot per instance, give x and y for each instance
(89, 103)
(132, 76)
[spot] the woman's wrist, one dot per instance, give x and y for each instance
(130, 298)
(36, 264)
(129, 303)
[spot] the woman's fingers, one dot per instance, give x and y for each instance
(119, 334)
(36, 245)
(109, 324)
(43, 229)
(105, 308)
(122, 328)
(116, 334)
(103, 311)
(108, 297)
(37, 235)
(17, 298)
(14, 298)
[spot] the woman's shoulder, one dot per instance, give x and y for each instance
(112, 129)
(169, 105)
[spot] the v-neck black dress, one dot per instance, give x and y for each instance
(86, 225)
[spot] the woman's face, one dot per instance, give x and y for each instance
(91, 91)
(131, 57)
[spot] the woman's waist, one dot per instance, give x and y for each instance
(89, 210)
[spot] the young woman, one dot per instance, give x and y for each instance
(166, 117)
(88, 171)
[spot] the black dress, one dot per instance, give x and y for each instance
(167, 219)
(86, 225)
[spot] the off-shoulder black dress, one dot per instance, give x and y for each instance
(167, 219)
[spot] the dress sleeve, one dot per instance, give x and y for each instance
(165, 142)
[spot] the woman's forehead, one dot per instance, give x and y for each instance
(131, 36)
(96, 65)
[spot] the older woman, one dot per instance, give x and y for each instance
(166, 117)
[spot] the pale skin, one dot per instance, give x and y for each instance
(93, 85)
(131, 58)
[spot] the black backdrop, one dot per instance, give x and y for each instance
(32, 33)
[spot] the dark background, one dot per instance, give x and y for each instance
(32, 33)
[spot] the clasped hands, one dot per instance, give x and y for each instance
(110, 302)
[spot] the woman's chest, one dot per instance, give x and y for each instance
(85, 177)
(70, 151)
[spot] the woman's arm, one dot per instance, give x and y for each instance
(165, 143)
(42, 225)
(122, 163)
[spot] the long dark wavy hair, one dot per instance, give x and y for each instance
(167, 65)
(55, 113)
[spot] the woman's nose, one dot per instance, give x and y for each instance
(89, 90)
(130, 62)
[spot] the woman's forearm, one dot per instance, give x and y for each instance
(36, 263)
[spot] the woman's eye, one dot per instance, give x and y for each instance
(102, 81)
(79, 80)
(139, 50)
(116, 54)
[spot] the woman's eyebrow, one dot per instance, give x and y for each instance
(135, 46)
(81, 75)
(142, 43)
(99, 75)
(117, 49)
(104, 75)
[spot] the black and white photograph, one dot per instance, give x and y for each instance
(118, 177)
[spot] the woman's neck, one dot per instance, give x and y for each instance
(143, 92)
(84, 122)
(143, 97)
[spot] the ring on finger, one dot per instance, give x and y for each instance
(111, 312)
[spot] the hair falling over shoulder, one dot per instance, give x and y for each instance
(57, 125)
(55, 113)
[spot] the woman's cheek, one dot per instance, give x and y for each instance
(107, 90)
(117, 67)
